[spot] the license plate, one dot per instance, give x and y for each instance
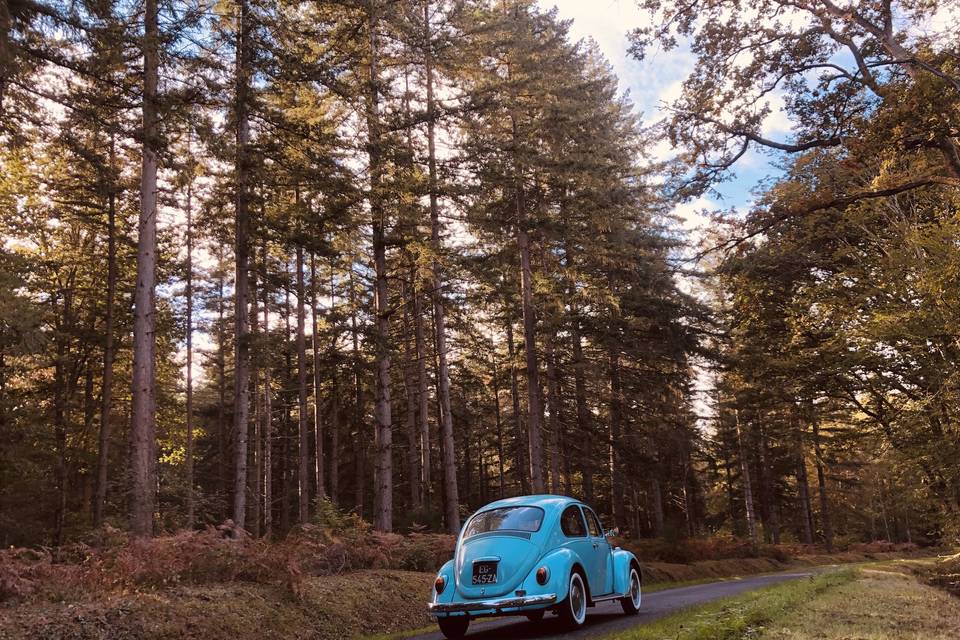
(484, 573)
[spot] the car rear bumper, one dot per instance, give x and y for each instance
(494, 606)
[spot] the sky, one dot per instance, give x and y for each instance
(656, 81)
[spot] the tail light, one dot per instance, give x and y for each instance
(439, 584)
(542, 575)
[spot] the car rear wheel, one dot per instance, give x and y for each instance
(573, 610)
(631, 603)
(535, 616)
(453, 626)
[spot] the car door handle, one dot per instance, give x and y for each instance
(595, 545)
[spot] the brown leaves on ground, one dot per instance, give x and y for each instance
(330, 607)
(111, 562)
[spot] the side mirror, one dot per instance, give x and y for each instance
(612, 533)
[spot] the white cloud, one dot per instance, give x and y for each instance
(692, 214)
(777, 121)
(608, 22)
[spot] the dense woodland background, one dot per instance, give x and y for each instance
(410, 257)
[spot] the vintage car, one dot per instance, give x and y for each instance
(529, 555)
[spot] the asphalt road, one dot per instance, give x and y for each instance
(608, 617)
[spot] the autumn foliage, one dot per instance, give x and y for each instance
(111, 561)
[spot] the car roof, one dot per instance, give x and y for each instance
(546, 502)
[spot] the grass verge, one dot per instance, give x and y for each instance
(876, 601)
(885, 602)
(741, 616)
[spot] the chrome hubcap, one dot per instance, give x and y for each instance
(635, 588)
(578, 600)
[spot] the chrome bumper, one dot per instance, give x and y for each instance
(491, 605)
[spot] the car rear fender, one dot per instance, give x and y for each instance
(622, 561)
(559, 563)
(450, 589)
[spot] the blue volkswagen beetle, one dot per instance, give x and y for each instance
(529, 555)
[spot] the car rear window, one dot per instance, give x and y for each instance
(505, 519)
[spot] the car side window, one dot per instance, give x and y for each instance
(571, 522)
(593, 524)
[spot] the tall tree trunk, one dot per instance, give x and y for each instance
(495, 380)
(656, 500)
(423, 398)
(241, 366)
(534, 410)
(616, 426)
(89, 411)
(267, 405)
(334, 398)
(143, 419)
(191, 501)
(583, 415)
(383, 494)
(61, 399)
(731, 493)
(883, 511)
(255, 363)
(319, 470)
(689, 494)
(747, 486)
(3, 429)
(565, 463)
(106, 393)
(482, 472)
(303, 448)
(221, 388)
(803, 490)
(358, 420)
(519, 438)
(554, 403)
(634, 510)
(822, 482)
(409, 384)
(287, 470)
(767, 490)
(467, 459)
(452, 504)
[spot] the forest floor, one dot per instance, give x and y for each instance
(234, 600)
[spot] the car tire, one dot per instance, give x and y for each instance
(453, 626)
(631, 603)
(535, 616)
(573, 609)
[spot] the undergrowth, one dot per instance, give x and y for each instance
(111, 561)
(945, 574)
(690, 550)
